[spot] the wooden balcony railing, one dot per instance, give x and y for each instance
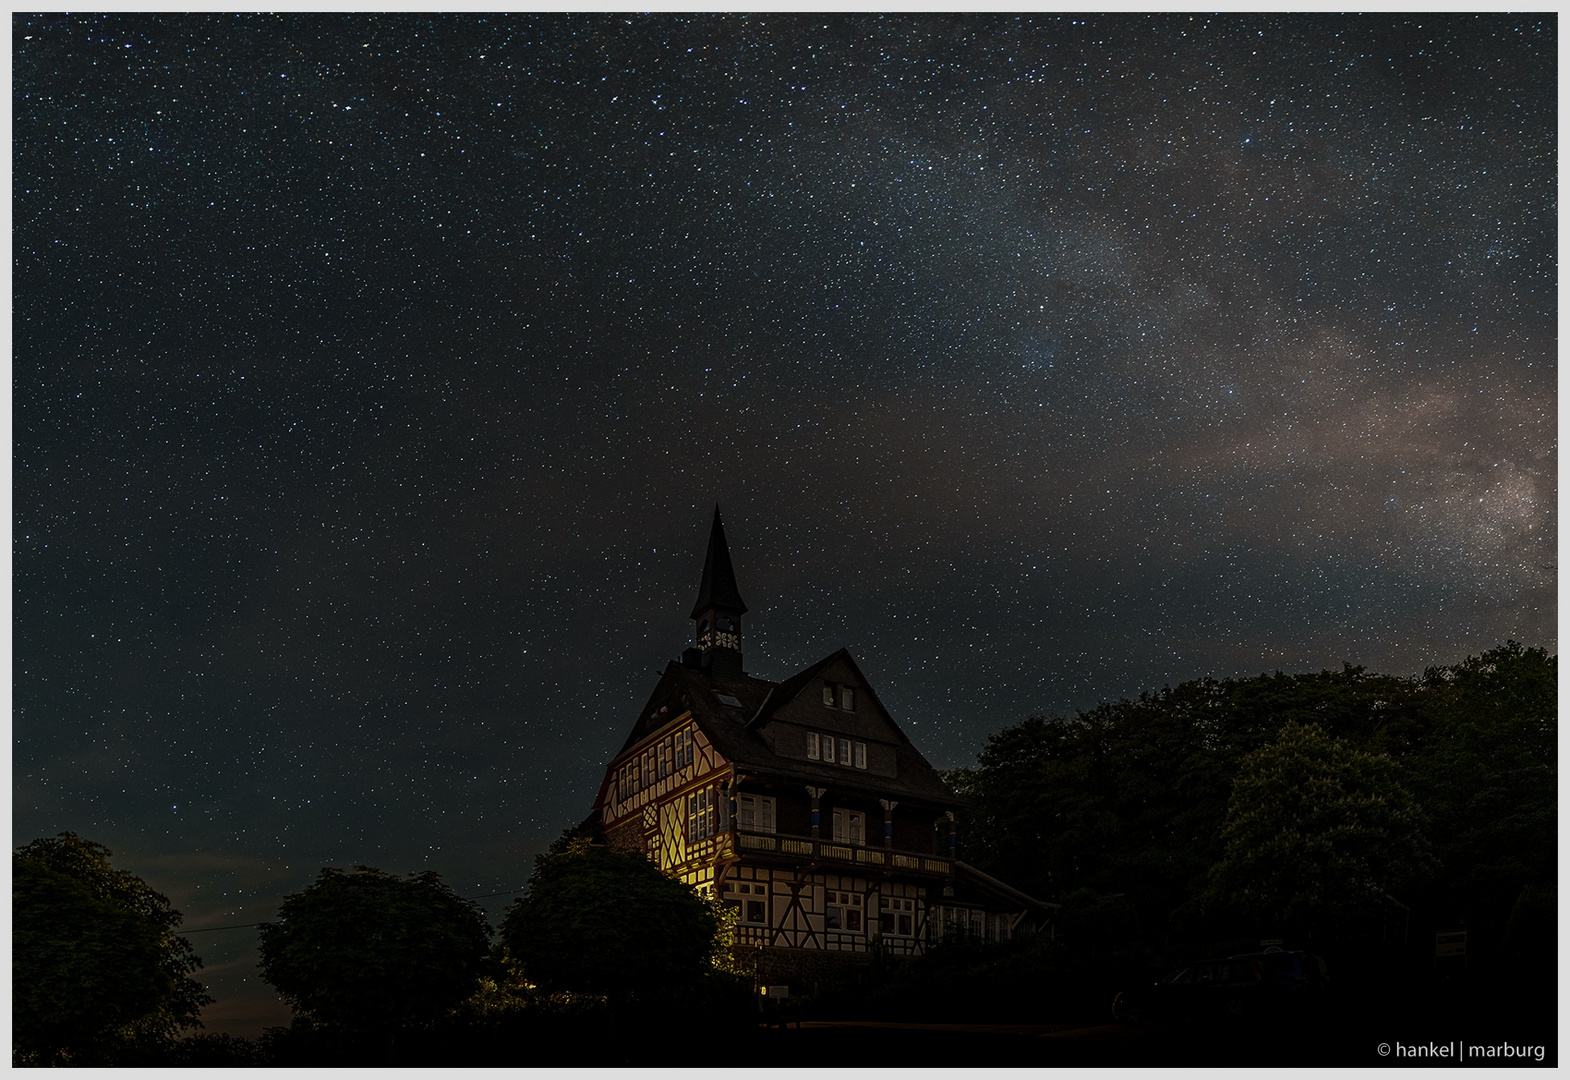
(820, 850)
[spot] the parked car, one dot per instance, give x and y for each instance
(1232, 986)
(1290, 973)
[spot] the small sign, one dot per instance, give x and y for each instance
(1266, 943)
(1451, 943)
(776, 991)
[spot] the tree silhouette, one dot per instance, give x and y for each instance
(1318, 833)
(372, 952)
(596, 921)
(97, 968)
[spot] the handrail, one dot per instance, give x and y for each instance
(845, 851)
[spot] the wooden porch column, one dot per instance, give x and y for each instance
(816, 793)
(888, 821)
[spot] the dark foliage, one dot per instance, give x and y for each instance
(1318, 835)
(1440, 791)
(211, 1051)
(1488, 779)
(372, 952)
(598, 922)
(98, 975)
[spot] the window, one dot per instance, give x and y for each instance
(899, 916)
(700, 815)
(662, 757)
(843, 911)
(755, 813)
(728, 700)
(842, 697)
(683, 747)
(752, 903)
(834, 750)
(850, 826)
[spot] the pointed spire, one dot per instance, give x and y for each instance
(718, 590)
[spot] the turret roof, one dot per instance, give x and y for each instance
(718, 589)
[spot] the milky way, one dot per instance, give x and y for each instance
(375, 378)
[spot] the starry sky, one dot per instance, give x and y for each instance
(375, 379)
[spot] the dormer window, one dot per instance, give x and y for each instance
(839, 697)
(833, 750)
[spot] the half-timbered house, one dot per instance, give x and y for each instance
(801, 803)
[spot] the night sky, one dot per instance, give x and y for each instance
(375, 379)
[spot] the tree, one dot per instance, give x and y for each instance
(1317, 834)
(1130, 797)
(97, 968)
(370, 951)
(1489, 780)
(596, 921)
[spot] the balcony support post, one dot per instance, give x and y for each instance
(888, 821)
(816, 793)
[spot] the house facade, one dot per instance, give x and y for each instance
(801, 803)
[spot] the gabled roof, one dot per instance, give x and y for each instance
(741, 732)
(718, 588)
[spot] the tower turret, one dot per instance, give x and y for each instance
(719, 608)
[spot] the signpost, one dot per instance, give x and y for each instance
(1450, 945)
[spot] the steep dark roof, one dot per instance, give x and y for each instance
(718, 589)
(738, 733)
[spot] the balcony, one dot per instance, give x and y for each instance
(819, 850)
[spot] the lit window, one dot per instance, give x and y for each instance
(850, 826)
(847, 698)
(861, 755)
(755, 813)
(700, 815)
(812, 746)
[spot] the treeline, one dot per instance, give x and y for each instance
(1349, 813)
(1332, 809)
(378, 969)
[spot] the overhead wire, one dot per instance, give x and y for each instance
(253, 925)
